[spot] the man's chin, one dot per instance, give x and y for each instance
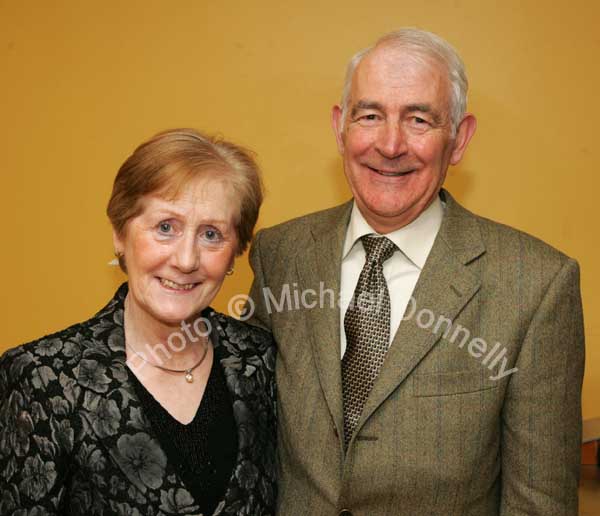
(390, 216)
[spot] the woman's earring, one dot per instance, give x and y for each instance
(117, 259)
(229, 272)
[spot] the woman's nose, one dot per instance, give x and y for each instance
(187, 254)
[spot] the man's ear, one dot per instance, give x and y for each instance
(336, 123)
(464, 133)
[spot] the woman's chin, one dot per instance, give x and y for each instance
(173, 318)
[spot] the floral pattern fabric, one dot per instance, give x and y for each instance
(74, 440)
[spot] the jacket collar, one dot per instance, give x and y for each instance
(414, 240)
(459, 230)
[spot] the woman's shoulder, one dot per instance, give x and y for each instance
(239, 335)
(41, 357)
(58, 351)
(232, 326)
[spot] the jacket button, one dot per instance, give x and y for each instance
(345, 512)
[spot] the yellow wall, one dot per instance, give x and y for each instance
(82, 83)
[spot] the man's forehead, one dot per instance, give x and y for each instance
(397, 62)
(385, 71)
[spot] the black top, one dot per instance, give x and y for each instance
(204, 450)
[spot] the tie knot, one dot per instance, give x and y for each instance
(378, 249)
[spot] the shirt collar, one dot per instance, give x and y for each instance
(415, 240)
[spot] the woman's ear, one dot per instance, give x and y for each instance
(117, 243)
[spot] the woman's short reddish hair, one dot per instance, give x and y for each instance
(167, 162)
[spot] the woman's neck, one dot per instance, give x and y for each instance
(162, 344)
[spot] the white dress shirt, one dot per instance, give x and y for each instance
(401, 271)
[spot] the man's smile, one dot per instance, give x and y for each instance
(390, 173)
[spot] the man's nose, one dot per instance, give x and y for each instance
(392, 140)
(187, 254)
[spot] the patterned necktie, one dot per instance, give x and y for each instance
(367, 325)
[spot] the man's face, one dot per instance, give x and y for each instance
(396, 140)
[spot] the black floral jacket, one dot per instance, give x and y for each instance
(74, 440)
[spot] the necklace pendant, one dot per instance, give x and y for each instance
(189, 378)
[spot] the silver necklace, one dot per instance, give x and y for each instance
(189, 377)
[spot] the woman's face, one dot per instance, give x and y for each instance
(178, 251)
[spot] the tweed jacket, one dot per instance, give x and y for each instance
(74, 440)
(476, 410)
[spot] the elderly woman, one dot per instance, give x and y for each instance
(157, 404)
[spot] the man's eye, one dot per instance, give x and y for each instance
(420, 120)
(368, 119)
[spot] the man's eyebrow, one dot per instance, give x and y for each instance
(366, 104)
(423, 108)
(411, 108)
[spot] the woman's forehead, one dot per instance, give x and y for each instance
(207, 198)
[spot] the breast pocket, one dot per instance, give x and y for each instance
(446, 384)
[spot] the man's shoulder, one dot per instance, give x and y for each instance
(311, 220)
(295, 231)
(504, 241)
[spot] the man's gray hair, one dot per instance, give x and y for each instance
(421, 44)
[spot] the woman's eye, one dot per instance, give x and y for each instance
(212, 235)
(165, 227)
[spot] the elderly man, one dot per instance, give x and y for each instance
(430, 361)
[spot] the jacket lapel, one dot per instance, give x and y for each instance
(445, 286)
(319, 268)
(232, 367)
(252, 424)
(111, 408)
